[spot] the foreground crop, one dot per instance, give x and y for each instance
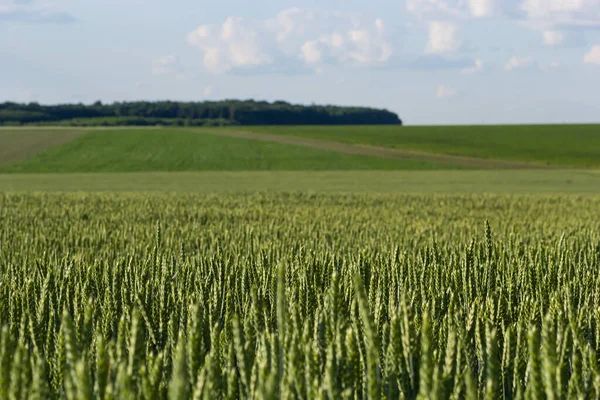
(298, 296)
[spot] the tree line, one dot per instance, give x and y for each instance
(228, 112)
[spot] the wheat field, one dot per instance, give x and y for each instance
(117, 296)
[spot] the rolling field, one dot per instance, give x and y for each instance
(137, 150)
(219, 160)
(215, 264)
(558, 145)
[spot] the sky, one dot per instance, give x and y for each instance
(431, 61)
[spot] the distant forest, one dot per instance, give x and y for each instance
(228, 112)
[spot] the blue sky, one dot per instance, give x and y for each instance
(431, 61)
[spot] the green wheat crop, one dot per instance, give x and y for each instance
(299, 296)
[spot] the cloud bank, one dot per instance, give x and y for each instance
(309, 39)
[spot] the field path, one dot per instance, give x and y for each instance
(382, 152)
(19, 144)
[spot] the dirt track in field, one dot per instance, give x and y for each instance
(383, 152)
(20, 144)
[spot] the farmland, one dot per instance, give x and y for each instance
(138, 150)
(298, 296)
(339, 182)
(20, 144)
(194, 263)
(558, 145)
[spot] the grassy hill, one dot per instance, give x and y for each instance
(56, 150)
(138, 150)
(558, 145)
(182, 160)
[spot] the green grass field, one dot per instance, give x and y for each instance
(559, 145)
(522, 181)
(136, 150)
(196, 160)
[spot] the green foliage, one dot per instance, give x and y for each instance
(98, 122)
(248, 112)
(291, 296)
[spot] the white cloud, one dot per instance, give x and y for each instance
(443, 37)
(335, 40)
(311, 52)
(452, 8)
(236, 43)
(330, 38)
(555, 18)
(553, 38)
(555, 64)
(432, 7)
(164, 65)
(243, 42)
(444, 91)
(545, 8)
(538, 14)
(592, 56)
(366, 47)
(482, 8)
(314, 38)
(515, 63)
(477, 67)
(550, 13)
